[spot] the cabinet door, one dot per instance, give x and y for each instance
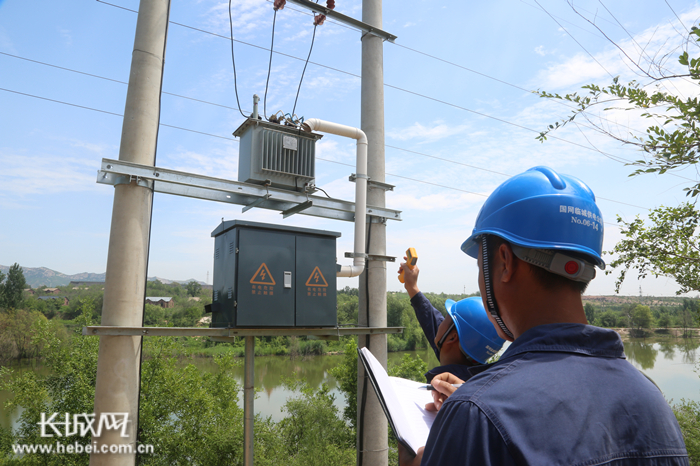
(263, 258)
(316, 282)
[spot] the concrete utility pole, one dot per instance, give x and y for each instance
(118, 365)
(372, 424)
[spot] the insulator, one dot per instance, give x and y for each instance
(279, 4)
(319, 19)
(330, 4)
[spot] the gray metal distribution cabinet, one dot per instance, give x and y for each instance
(273, 276)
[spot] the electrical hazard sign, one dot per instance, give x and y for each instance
(316, 279)
(263, 276)
(316, 285)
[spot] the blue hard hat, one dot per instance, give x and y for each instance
(477, 336)
(542, 209)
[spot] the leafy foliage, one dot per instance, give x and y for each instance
(670, 246)
(313, 434)
(412, 368)
(11, 290)
(346, 375)
(674, 143)
(193, 288)
(642, 317)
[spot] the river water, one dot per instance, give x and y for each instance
(669, 362)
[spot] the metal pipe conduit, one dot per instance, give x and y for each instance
(314, 124)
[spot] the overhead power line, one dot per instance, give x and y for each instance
(318, 158)
(570, 35)
(110, 113)
(359, 76)
(621, 160)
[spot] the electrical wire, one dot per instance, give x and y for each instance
(114, 80)
(621, 159)
(269, 68)
(570, 35)
(313, 37)
(318, 158)
(328, 160)
(676, 14)
(233, 59)
(351, 74)
(112, 113)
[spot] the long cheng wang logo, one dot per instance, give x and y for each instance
(83, 424)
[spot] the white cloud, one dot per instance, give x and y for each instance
(44, 173)
(5, 42)
(434, 132)
(658, 41)
(66, 35)
(540, 50)
(218, 163)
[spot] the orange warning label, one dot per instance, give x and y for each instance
(316, 279)
(262, 276)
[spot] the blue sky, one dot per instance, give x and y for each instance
(475, 110)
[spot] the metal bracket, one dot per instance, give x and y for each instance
(352, 255)
(364, 27)
(297, 208)
(256, 203)
(234, 192)
(371, 257)
(237, 332)
(375, 257)
(374, 184)
(126, 179)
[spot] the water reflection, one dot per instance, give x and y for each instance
(644, 352)
(674, 372)
(641, 352)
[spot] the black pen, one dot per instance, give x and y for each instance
(430, 387)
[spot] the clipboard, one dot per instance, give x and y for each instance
(402, 401)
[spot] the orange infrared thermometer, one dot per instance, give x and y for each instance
(411, 261)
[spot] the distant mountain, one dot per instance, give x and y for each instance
(40, 276)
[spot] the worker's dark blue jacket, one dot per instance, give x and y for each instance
(430, 319)
(561, 394)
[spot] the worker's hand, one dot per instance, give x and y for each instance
(406, 458)
(443, 389)
(410, 278)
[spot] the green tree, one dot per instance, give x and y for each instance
(346, 375)
(410, 367)
(668, 244)
(688, 415)
(193, 288)
(642, 317)
(312, 433)
(664, 320)
(589, 309)
(11, 291)
(607, 319)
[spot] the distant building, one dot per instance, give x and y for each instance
(194, 298)
(51, 290)
(160, 301)
(48, 298)
(29, 290)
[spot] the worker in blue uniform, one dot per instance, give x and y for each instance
(563, 392)
(463, 340)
